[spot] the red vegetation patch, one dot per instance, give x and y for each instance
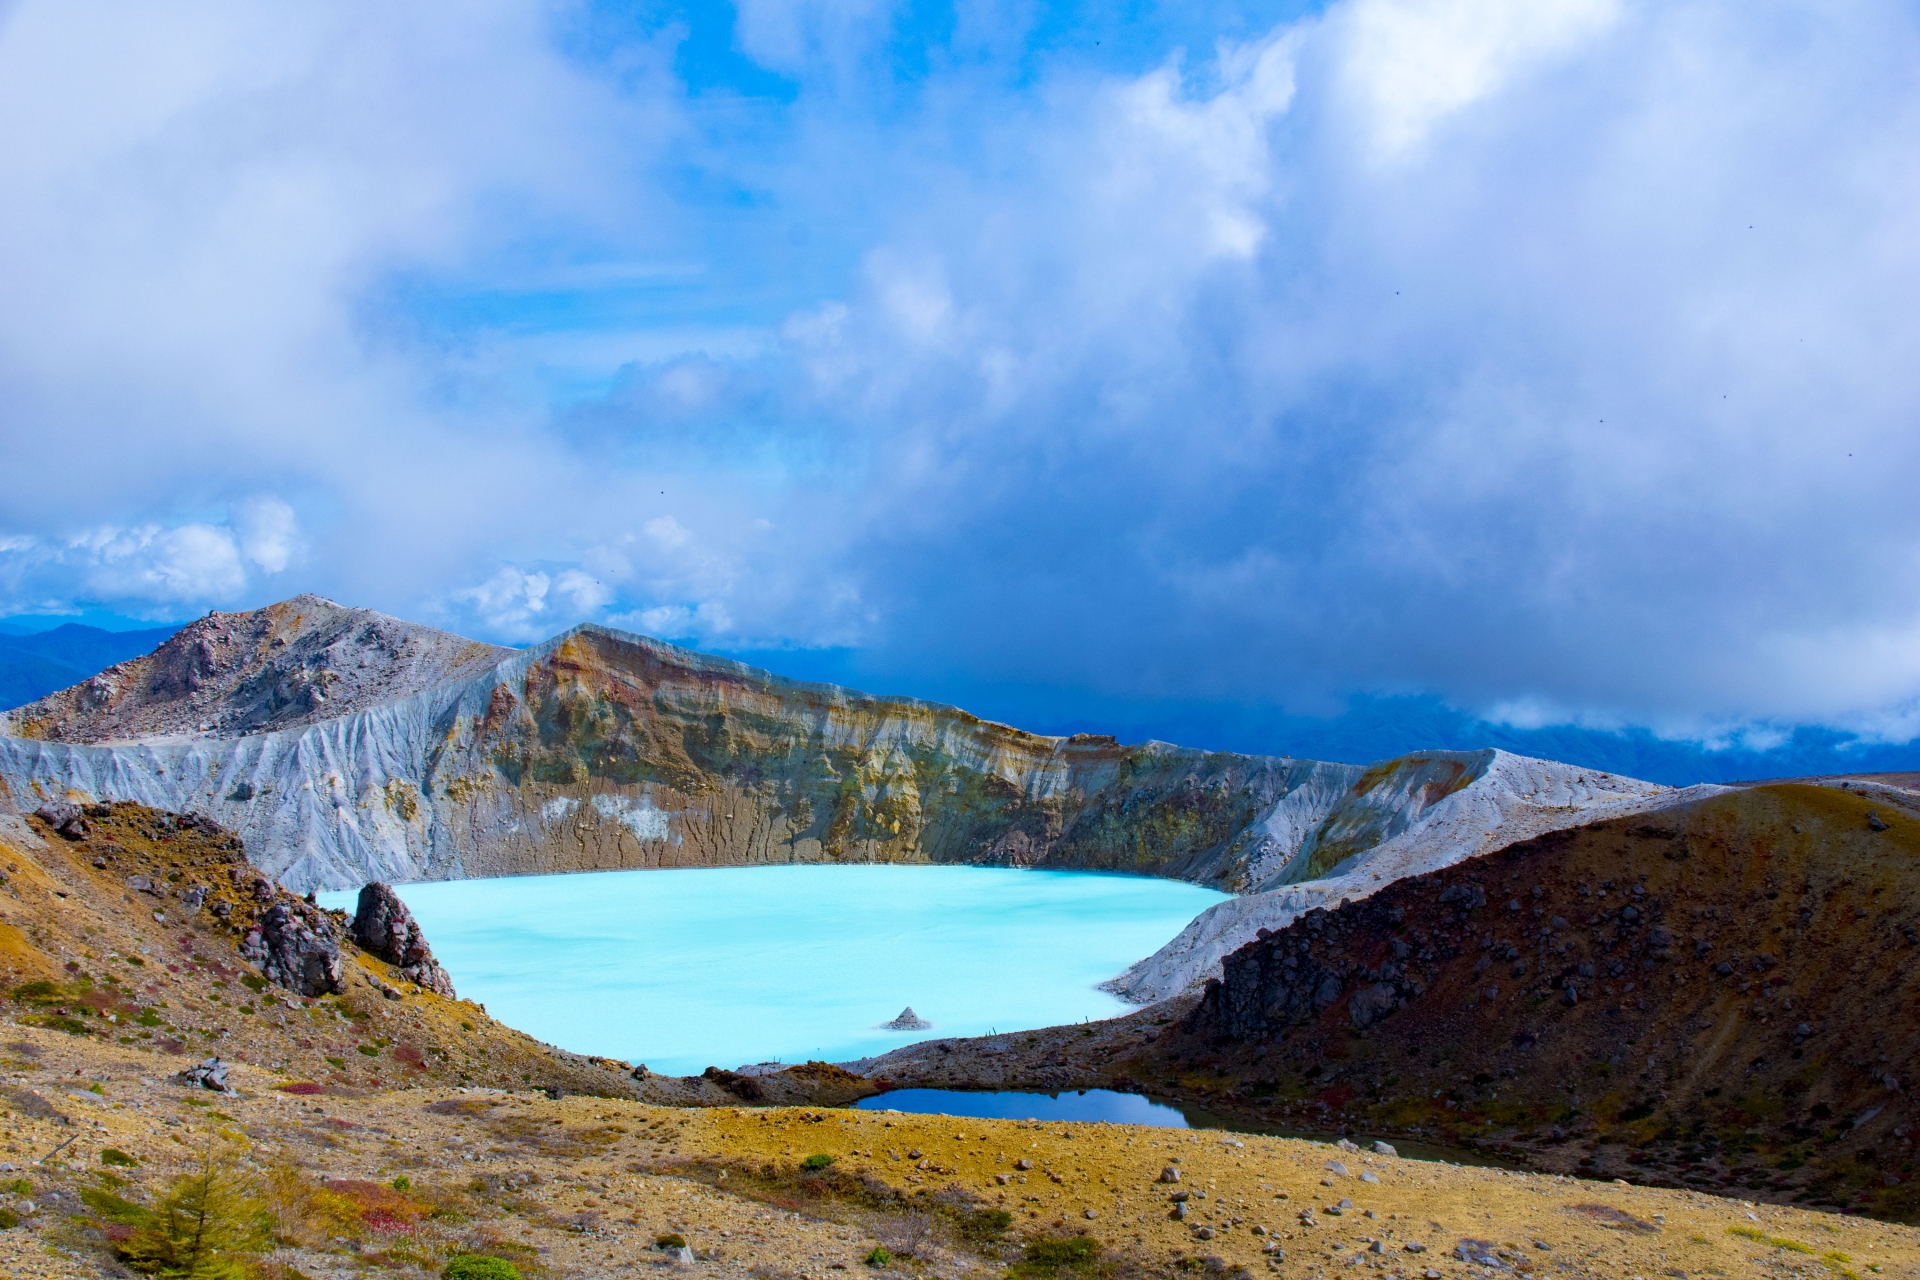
(1338, 1096)
(305, 1088)
(382, 1208)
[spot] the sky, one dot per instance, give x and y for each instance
(1543, 367)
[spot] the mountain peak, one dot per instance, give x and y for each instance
(301, 660)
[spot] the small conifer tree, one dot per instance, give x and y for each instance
(203, 1228)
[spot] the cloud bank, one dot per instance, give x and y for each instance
(1553, 359)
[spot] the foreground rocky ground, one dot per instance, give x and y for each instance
(394, 1181)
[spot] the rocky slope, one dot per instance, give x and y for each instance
(131, 926)
(294, 663)
(345, 747)
(1391, 824)
(1719, 995)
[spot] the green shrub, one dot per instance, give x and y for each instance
(989, 1222)
(879, 1257)
(480, 1266)
(1072, 1252)
(369, 1050)
(253, 982)
(671, 1241)
(403, 1183)
(816, 1162)
(109, 1207)
(118, 1158)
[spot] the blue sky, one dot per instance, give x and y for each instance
(1220, 371)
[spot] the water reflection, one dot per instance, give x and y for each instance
(1090, 1105)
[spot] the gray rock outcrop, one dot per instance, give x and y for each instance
(908, 1021)
(384, 927)
(67, 819)
(295, 947)
(211, 1074)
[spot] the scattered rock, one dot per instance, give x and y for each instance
(384, 927)
(1385, 1149)
(1874, 822)
(211, 1074)
(1368, 1175)
(1336, 1166)
(1168, 1174)
(1414, 1246)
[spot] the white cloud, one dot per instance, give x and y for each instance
(269, 533)
(1410, 63)
(1552, 357)
(151, 568)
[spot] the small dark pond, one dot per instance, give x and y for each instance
(1090, 1105)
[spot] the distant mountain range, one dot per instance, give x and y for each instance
(345, 746)
(35, 664)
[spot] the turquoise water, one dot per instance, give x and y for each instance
(683, 970)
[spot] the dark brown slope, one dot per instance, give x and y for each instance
(291, 663)
(1744, 1014)
(1722, 995)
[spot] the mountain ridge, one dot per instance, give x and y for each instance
(346, 746)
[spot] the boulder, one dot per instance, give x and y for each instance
(1370, 1004)
(67, 819)
(299, 954)
(384, 927)
(211, 1074)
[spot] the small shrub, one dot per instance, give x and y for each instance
(117, 1158)
(816, 1162)
(17, 1187)
(8, 1219)
(111, 1208)
(367, 1049)
(480, 1266)
(988, 1222)
(673, 1240)
(879, 1257)
(1047, 1255)
(253, 982)
(403, 1183)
